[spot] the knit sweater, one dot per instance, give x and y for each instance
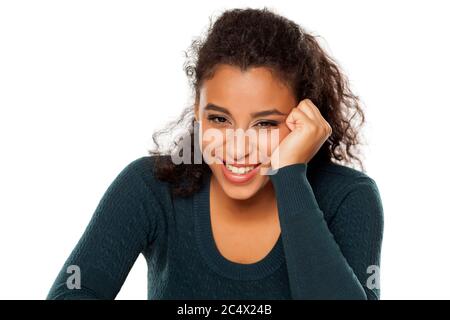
(331, 220)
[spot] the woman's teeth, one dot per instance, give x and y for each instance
(241, 170)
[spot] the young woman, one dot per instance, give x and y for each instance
(254, 218)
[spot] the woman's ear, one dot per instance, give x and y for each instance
(196, 113)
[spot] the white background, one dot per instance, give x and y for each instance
(83, 85)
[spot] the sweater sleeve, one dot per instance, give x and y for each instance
(119, 230)
(334, 261)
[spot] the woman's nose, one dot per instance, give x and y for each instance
(239, 145)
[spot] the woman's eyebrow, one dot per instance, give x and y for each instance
(212, 106)
(267, 113)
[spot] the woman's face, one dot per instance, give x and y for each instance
(233, 129)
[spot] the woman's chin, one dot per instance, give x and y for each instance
(240, 194)
(240, 191)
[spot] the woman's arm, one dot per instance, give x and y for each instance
(117, 233)
(329, 262)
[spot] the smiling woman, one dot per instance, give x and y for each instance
(261, 218)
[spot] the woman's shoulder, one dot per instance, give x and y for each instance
(143, 169)
(337, 182)
(340, 175)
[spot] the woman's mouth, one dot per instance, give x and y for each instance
(239, 174)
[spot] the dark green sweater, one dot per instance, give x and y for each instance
(331, 219)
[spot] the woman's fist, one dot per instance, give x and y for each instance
(309, 130)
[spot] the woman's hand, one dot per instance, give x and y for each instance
(309, 130)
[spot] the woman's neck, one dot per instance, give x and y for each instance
(258, 208)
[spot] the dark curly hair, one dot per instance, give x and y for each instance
(248, 38)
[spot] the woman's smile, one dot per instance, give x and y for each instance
(239, 173)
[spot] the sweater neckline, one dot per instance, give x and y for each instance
(210, 252)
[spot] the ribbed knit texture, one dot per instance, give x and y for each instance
(331, 219)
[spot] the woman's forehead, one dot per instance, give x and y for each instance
(248, 91)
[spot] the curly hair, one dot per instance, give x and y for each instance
(248, 38)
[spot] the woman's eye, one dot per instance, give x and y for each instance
(222, 120)
(217, 119)
(267, 124)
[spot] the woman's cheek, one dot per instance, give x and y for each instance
(212, 140)
(268, 141)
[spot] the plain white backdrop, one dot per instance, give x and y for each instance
(84, 84)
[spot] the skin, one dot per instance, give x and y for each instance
(248, 213)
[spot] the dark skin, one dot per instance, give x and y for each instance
(244, 230)
(245, 218)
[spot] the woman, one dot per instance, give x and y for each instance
(257, 218)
